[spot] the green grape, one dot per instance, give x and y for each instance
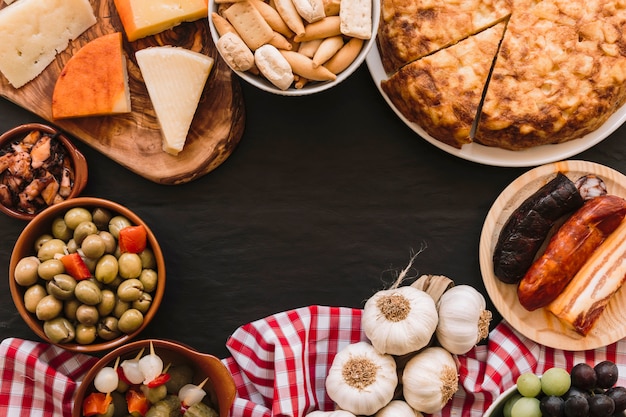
(526, 407)
(529, 384)
(555, 381)
(508, 405)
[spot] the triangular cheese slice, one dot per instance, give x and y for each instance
(442, 91)
(94, 81)
(175, 78)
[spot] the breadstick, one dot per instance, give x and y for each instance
(290, 15)
(310, 10)
(274, 66)
(249, 24)
(235, 52)
(280, 42)
(300, 82)
(331, 7)
(222, 25)
(226, 1)
(327, 49)
(308, 48)
(328, 26)
(272, 17)
(356, 18)
(303, 66)
(345, 56)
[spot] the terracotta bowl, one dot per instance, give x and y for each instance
(41, 224)
(77, 160)
(220, 386)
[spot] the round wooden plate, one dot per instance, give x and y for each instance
(540, 325)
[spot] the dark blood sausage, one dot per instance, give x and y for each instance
(568, 250)
(529, 225)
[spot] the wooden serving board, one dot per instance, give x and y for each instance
(134, 140)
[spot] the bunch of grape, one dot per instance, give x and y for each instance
(585, 391)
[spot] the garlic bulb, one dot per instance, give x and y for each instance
(361, 380)
(463, 319)
(399, 321)
(430, 379)
(398, 408)
(336, 413)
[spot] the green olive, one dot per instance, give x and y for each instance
(72, 247)
(130, 321)
(88, 292)
(110, 243)
(41, 240)
(48, 308)
(107, 304)
(130, 290)
(83, 230)
(70, 307)
(129, 265)
(154, 394)
(62, 286)
(91, 263)
(60, 229)
(108, 329)
(85, 334)
(59, 330)
(76, 215)
(147, 258)
(49, 268)
(32, 296)
(143, 303)
(120, 308)
(101, 217)
(93, 246)
(180, 374)
(26, 271)
(87, 314)
(149, 279)
(117, 223)
(50, 248)
(107, 269)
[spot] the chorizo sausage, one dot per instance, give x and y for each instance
(568, 250)
(528, 226)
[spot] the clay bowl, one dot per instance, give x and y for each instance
(220, 387)
(77, 161)
(42, 224)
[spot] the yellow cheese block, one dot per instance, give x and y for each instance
(34, 31)
(94, 81)
(142, 18)
(175, 78)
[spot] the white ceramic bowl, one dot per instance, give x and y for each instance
(313, 86)
(496, 409)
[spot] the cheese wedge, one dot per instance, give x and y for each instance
(175, 78)
(94, 81)
(34, 31)
(142, 18)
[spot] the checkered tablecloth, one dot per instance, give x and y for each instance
(279, 364)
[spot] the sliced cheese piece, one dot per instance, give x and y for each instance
(175, 78)
(94, 81)
(142, 18)
(34, 31)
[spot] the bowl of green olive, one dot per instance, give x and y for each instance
(156, 377)
(87, 274)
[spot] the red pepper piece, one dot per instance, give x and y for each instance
(158, 381)
(75, 266)
(96, 403)
(137, 402)
(133, 239)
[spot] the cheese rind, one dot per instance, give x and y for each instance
(94, 81)
(33, 32)
(142, 18)
(175, 78)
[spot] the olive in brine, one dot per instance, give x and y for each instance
(32, 297)
(147, 258)
(110, 243)
(48, 308)
(85, 334)
(93, 246)
(130, 290)
(50, 248)
(129, 265)
(59, 330)
(88, 292)
(60, 229)
(117, 223)
(101, 217)
(148, 278)
(62, 286)
(120, 307)
(108, 328)
(26, 271)
(83, 230)
(75, 216)
(130, 321)
(41, 240)
(48, 269)
(143, 303)
(107, 269)
(70, 307)
(107, 304)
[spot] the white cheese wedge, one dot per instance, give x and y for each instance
(175, 78)
(33, 32)
(142, 18)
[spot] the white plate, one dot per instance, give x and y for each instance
(496, 156)
(540, 325)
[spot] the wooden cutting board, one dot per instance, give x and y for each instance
(134, 140)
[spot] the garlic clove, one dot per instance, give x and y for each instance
(336, 413)
(398, 408)
(433, 285)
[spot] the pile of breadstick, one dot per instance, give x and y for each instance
(292, 42)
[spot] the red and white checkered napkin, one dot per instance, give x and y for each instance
(280, 364)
